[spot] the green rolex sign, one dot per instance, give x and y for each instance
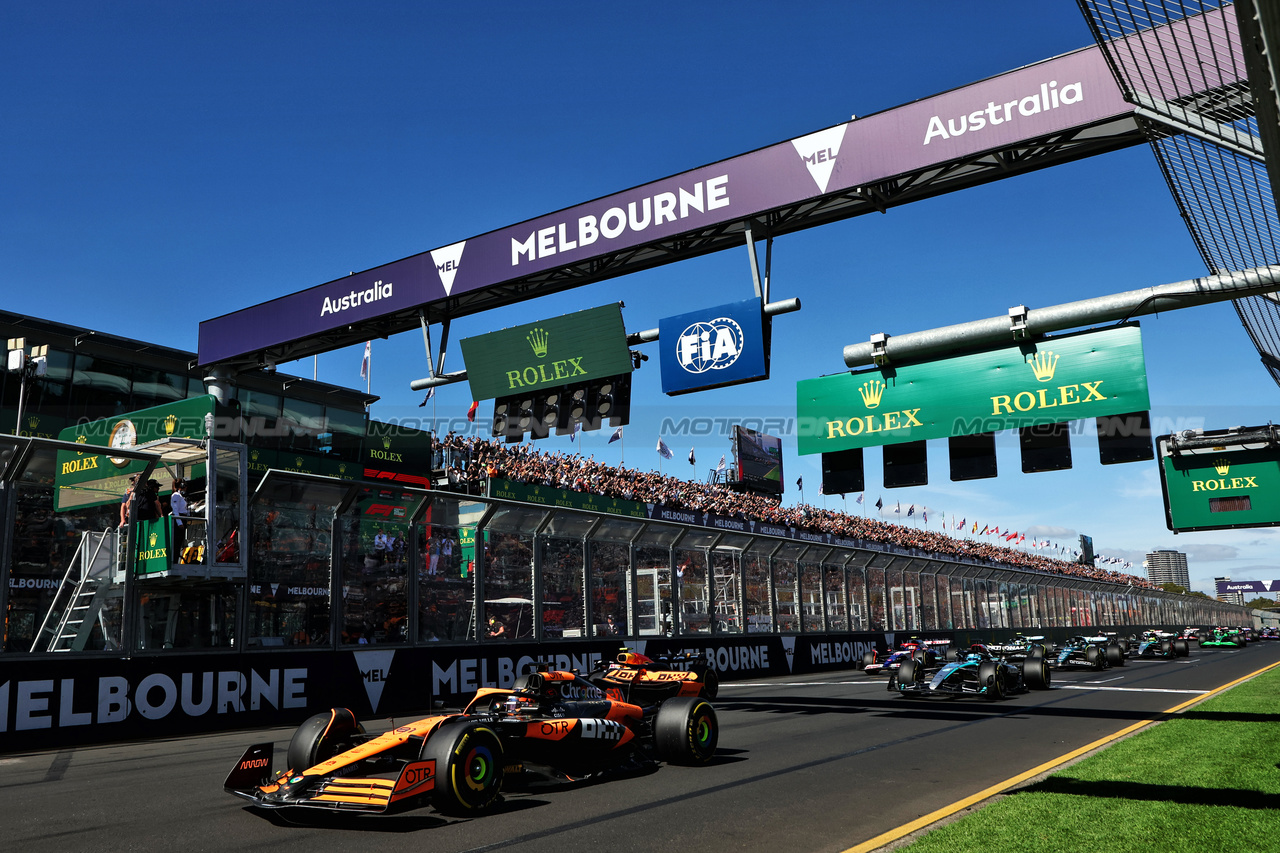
(1085, 375)
(1220, 488)
(564, 350)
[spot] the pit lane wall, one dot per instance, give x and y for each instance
(67, 701)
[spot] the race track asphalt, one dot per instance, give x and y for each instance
(814, 763)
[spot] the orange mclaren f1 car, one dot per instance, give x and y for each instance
(635, 677)
(554, 725)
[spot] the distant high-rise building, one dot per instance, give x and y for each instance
(1167, 567)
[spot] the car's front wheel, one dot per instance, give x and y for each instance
(469, 766)
(321, 737)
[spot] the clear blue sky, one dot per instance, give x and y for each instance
(163, 163)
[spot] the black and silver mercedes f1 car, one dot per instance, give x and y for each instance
(979, 673)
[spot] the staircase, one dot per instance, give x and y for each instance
(87, 585)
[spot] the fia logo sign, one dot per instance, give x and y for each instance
(713, 345)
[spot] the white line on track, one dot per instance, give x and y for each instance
(1125, 689)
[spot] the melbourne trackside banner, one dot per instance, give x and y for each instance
(1085, 375)
(564, 350)
(1058, 96)
(714, 347)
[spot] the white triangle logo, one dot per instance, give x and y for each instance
(819, 151)
(789, 651)
(373, 667)
(446, 261)
(275, 590)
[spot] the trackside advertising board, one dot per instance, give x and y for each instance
(1059, 95)
(1085, 375)
(565, 350)
(714, 347)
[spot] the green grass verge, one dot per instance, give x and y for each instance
(1205, 781)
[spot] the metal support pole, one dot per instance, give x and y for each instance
(1041, 321)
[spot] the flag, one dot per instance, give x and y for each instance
(859, 501)
(984, 529)
(692, 461)
(897, 510)
(617, 435)
(925, 516)
(364, 365)
(663, 450)
(720, 464)
(471, 412)
(800, 483)
(995, 531)
(1021, 538)
(821, 486)
(962, 521)
(879, 503)
(975, 528)
(431, 392)
(911, 510)
(577, 428)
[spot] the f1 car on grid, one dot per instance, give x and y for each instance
(1191, 634)
(553, 725)
(1096, 652)
(1223, 638)
(635, 677)
(928, 652)
(979, 673)
(1020, 647)
(1161, 644)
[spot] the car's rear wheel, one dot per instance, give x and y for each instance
(1036, 674)
(1115, 654)
(868, 658)
(991, 676)
(1093, 656)
(686, 731)
(1166, 648)
(322, 737)
(469, 767)
(953, 654)
(1181, 649)
(1035, 652)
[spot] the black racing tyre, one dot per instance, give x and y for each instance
(469, 767)
(322, 737)
(991, 676)
(1181, 649)
(686, 731)
(1036, 674)
(1115, 654)
(1166, 648)
(1093, 656)
(953, 654)
(1035, 651)
(711, 682)
(920, 656)
(910, 672)
(868, 658)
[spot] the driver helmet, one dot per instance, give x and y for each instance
(631, 658)
(516, 704)
(979, 649)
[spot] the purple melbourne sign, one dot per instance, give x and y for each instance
(1057, 95)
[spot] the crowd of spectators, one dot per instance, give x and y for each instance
(471, 461)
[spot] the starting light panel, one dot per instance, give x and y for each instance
(1220, 480)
